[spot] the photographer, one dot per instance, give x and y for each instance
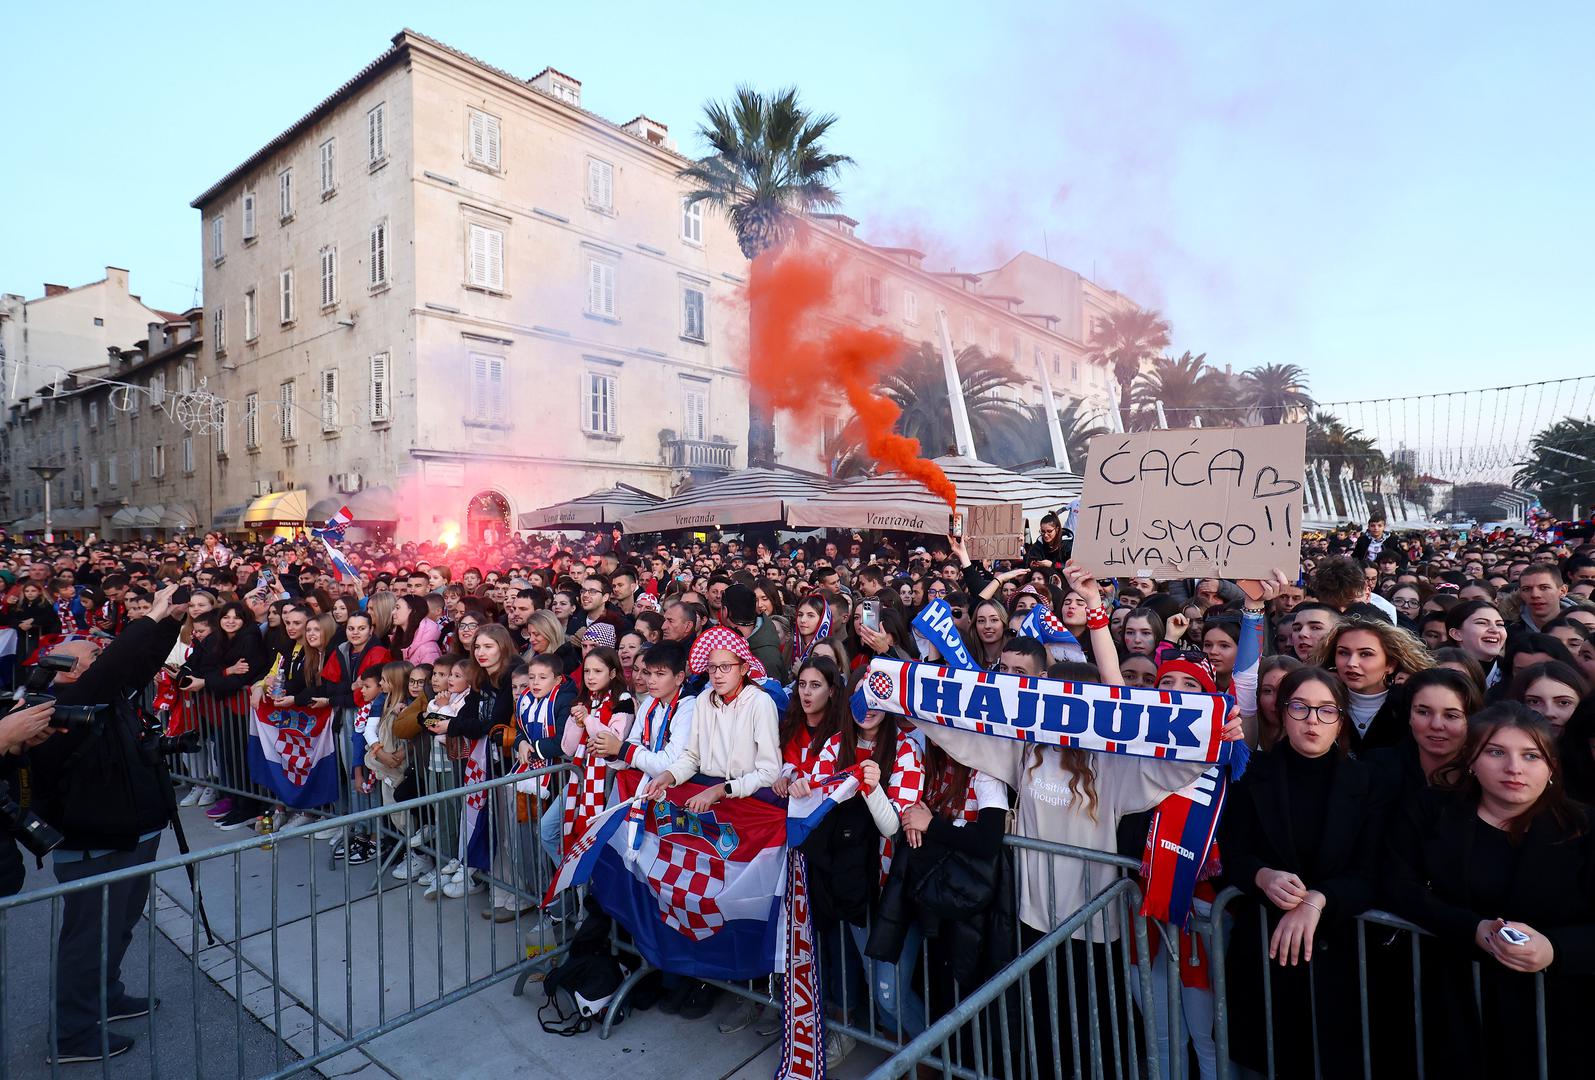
(98, 783)
(19, 730)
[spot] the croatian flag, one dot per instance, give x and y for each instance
(335, 524)
(293, 752)
(340, 565)
(1040, 623)
(476, 831)
(701, 894)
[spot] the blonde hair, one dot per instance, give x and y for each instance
(547, 624)
(1407, 653)
(395, 681)
(380, 611)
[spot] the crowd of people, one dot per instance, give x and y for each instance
(1420, 707)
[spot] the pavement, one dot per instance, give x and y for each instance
(327, 948)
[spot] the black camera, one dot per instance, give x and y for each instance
(65, 717)
(45, 670)
(36, 834)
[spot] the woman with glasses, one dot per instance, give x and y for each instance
(1300, 836)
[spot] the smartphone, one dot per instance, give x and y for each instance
(1512, 935)
(955, 525)
(869, 613)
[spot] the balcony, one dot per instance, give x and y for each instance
(697, 455)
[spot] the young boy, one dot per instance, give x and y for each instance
(540, 721)
(663, 724)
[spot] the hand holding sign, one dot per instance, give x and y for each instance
(1204, 502)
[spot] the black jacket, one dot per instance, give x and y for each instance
(211, 661)
(1390, 726)
(1552, 890)
(1255, 832)
(95, 786)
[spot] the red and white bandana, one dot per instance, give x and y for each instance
(720, 637)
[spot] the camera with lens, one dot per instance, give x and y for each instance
(65, 717)
(36, 834)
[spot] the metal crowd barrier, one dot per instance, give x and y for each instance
(380, 956)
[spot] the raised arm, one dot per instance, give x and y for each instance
(1103, 651)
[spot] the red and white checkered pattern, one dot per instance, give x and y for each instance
(475, 772)
(294, 747)
(584, 795)
(687, 881)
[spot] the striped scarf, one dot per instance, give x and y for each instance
(800, 652)
(584, 792)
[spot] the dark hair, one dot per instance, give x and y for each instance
(1482, 726)
(548, 660)
(1453, 655)
(1518, 644)
(1338, 581)
(617, 676)
(1075, 671)
(1578, 760)
(1554, 670)
(1337, 690)
(885, 751)
(1463, 686)
(666, 654)
(403, 634)
(836, 710)
(1463, 611)
(1029, 648)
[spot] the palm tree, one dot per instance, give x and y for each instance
(1275, 391)
(1035, 442)
(1185, 387)
(768, 169)
(918, 386)
(1126, 340)
(1561, 467)
(1341, 448)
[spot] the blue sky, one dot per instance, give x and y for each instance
(1395, 197)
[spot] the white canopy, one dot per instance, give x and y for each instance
(605, 506)
(892, 501)
(746, 497)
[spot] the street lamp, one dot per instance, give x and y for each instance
(47, 473)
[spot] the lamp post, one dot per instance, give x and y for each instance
(47, 473)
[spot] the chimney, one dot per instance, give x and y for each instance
(651, 131)
(53, 290)
(116, 277)
(557, 84)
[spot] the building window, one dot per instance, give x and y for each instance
(110, 471)
(695, 414)
(157, 462)
(1016, 350)
(249, 216)
(485, 259)
(600, 184)
(910, 306)
(251, 316)
(157, 389)
(969, 331)
(285, 297)
(692, 221)
(1074, 371)
(252, 421)
(329, 167)
(185, 377)
(379, 254)
(218, 237)
(188, 455)
(377, 134)
(484, 140)
(94, 414)
(379, 396)
(98, 321)
(137, 471)
(285, 194)
(599, 412)
(487, 389)
(877, 296)
(94, 476)
(995, 347)
(693, 326)
(223, 435)
(329, 400)
(287, 393)
(219, 318)
(329, 276)
(600, 288)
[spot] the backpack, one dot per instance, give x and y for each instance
(579, 989)
(844, 858)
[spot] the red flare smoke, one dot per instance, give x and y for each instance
(794, 356)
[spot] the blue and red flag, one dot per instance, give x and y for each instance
(340, 565)
(293, 751)
(1040, 623)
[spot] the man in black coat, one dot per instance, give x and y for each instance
(97, 789)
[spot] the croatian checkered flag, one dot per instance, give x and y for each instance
(1048, 629)
(335, 525)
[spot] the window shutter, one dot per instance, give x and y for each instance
(329, 400)
(495, 388)
(479, 404)
(252, 420)
(285, 306)
(492, 132)
(221, 330)
(223, 436)
(379, 253)
(478, 137)
(600, 288)
(495, 259)
(600, 183)
(285, 193)
(329, 151)
(218, 228)
(329, 276)
(376, 134)
(290, 421)
(696, 420)
(379, 387)
(249, 215)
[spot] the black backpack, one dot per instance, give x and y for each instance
(844, 857)
(579, 989)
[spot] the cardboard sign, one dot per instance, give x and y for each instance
(1197, 502)
(994, 532)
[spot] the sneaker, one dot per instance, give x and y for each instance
(434, 888)
(464, 885)
(769, 1024)
(743, 1016)
(128, 1007)
(699, 1001)
(500, 913)
(334, 833)
(413, 866)
(192, 798)
(219, 809)
(361, 851)
(236, 819)
(451, 868)
(428, 881)
(420, 836)
(837, 1047)
(298, 821)
(87, 1047)
(207, 797)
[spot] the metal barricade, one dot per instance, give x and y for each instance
(270, 939)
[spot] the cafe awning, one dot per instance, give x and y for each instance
(894, 502)
(605, 506)
(149, 517)
(125, 518)
(278, 508)
(229, 518)
(322, 509)
(31, 523)
(374, 504)
(179, 516)
(746, 497)
(85, 518)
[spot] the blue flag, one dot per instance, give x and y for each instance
(936, 625)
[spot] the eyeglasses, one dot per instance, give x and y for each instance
(958, 612)
(1324, 714)
(1404, 604)
(469, 625)
(726, 668)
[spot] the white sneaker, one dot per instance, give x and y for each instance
(837, 1047)
(463, 886)
(458, 876)
(429, 881)
(420, 836)
(297, 820)
(434, 888)
(279, 819)
(412, 866)
(451, 868)
(329, 834)
(192, 798)
(207, 797)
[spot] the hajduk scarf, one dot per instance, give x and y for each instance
(800, 652)
(534, 719)
(586, 790)
(1169, 724)
(936, 625)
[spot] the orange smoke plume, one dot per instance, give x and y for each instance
(797, 351)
